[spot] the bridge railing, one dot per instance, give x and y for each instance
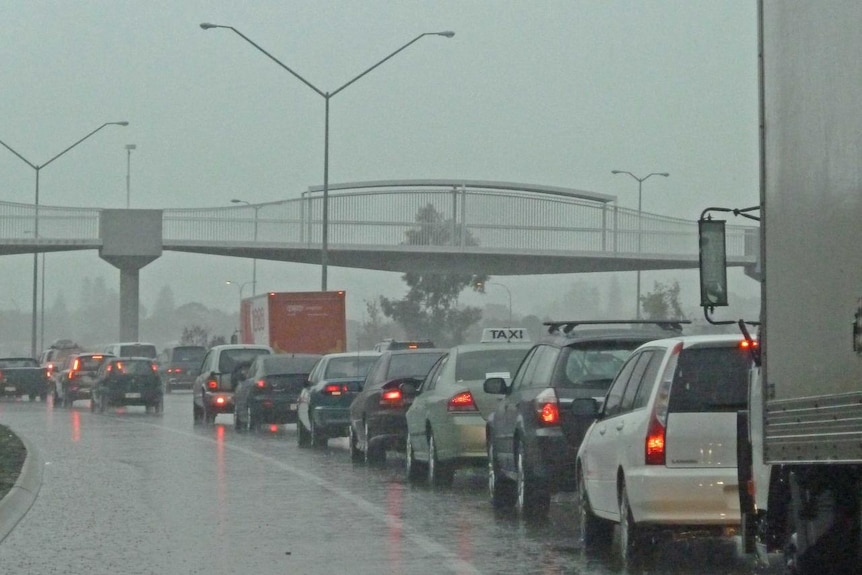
(501, 220)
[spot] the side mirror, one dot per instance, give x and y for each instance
(586, 407)
(713, 263)
(409, 388)
(495, 386)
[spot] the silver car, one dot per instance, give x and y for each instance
(446, 423)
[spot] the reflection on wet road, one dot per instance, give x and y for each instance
(127, 492)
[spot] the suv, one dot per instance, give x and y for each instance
(131, 349)
(531, 437)
(223, 367)
(179, 365)
(59, 350)
(661, 453)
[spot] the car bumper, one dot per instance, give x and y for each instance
(462, 438)
(689, 496)
(146, 397)
(218, 402)
(553, 459)
(335, 420)
(275, 409)
(388, 430)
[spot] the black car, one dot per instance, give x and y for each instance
(377, 413)
(127, 381)
(179, 366)
(270, 391)
(532, 438)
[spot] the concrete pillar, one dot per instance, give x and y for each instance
(130, 240)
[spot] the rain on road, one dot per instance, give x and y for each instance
(128, 492)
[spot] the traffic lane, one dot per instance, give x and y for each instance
(125, 492)
(323, 510)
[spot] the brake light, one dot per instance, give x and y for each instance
(748, 344)
(154, 367)
(548, 407)
(654, 447)
(391, 398)
(212, 384)
(335, 389)
(76, 365)
(71, 374)
(412, 346)
(219, 400)
(655, 442)
(260, 383)
(462, 402)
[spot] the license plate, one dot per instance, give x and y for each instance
(293, 407)
(8, 388)
(133, 396)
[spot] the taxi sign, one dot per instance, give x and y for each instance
(505, 335)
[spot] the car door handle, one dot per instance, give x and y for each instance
(620, 425)
(602, 430)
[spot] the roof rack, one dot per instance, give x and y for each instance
(568, 326)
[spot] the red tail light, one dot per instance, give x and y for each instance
(212, 384)
(391, 398)
(72, 374)
(548, 407)
(76, 365)
(154, 367)
(219, 400)
(335, 389)
(260, 383)
(655, 442)
(462, 402)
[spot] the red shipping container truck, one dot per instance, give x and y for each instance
(295, 322)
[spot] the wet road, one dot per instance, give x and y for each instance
(128, 492)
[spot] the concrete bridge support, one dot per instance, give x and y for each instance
(130, 240)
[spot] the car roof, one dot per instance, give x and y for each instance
(414, 351)
(364, 353)
(240, 346)
(569, 332)
(467, 347)
(704, 340)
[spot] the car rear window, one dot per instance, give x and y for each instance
(594, 365)
(344, 367)
(191, 354)
(710, 379)
(134, 367)
(230, 358)
(476, 365)
(416, 365)
(138, 350)
(89, 362)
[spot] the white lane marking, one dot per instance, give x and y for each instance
(427, 544)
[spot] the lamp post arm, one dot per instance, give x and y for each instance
(25, 160)
(273, 58)
(390, 56)
(84, 138)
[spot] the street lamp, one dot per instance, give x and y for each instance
(254, 261)
(129, 148)
(640, 189)
(324, 247)
(38, 168)
(508, 293)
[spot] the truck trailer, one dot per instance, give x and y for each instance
(295, 322)
(800, 439)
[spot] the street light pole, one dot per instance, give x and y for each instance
(37, 169)
(241, 287)
(129, 148)
(254, 261)
(324, 247)
(640, 189)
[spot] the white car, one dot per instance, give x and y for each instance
(661, 454)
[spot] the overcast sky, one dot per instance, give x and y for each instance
(555, 93)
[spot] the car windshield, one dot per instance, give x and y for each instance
(415, 365)
(344, 367)
(710, 379)
(476, 365)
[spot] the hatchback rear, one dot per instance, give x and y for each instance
(662, 453)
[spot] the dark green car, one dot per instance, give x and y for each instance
(123, 381)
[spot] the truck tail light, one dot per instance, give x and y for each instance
(548, 407)
(391, 398)
(462, 402)
(335, 389)
(212, 384)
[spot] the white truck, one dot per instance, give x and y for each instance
(800, 442)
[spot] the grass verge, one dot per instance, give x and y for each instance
(12, 455)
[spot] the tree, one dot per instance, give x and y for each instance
(662, 302)
(195, 335)
(373, 328)
(430, 308)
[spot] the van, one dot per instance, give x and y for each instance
(131, 349)
(179, 365)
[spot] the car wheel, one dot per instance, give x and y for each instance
(502, 489)
(103, 404)
(376, 454)
(533, 500)
(318, 438)
(67, 401)
(251, 419)
(32, 397)
(208, 418)
(630, 533)
(168, 388)
(159, 407)
(303, 437)
(197, 415)
(56, 397)
(92, 405)
(596, 533)
(238, 423)
(415, 469)
(440, 473)
(43, 397)
(356, 454)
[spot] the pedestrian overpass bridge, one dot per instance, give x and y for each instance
(468, 226)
